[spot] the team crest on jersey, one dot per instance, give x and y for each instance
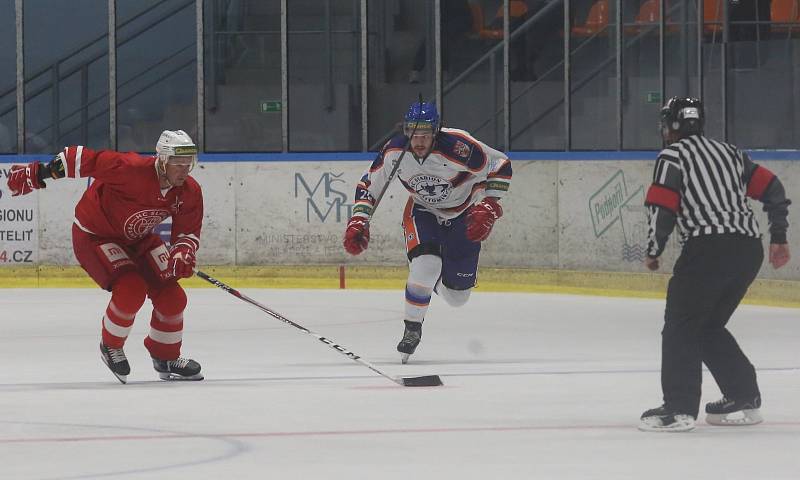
(141, 223)
(461, 149)
(432, 189)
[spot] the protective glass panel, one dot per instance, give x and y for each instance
(593, 69)
(324, 75)
(472, 63)
(243, 75)
(156, 71)
(536, 62)
(401, 63)
(66, 74)
(713, 69)
(642, 97)
(8, 82)
(762, 74)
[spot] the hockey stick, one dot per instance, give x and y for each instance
(396, 166)
(392, 173)
(424, 381)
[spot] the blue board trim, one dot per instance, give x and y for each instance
(582, 156)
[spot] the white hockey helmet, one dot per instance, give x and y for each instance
(175, 143)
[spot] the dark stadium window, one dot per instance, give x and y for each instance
(762, 74)
(243, 107)
(8, 89)
(593, 56)
(472, 83)
(537, 75)
(401, 63)
(324, 75)
(642, 99)
(156, 71)
(66, 74)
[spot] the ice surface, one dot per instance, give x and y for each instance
(536, 387)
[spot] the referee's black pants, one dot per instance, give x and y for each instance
(709, 280)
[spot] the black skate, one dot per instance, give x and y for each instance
(115, 360)
(411, 338)
(727, 412)
(662, 419)
(178, 369)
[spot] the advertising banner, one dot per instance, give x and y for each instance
(296, 212)
(575, 215)
(19, 226)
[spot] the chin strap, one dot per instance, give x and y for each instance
(161, 172)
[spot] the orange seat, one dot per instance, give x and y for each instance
(648, 16)
(712, 16)
(517, 8)
(596, 21)
(785, 13)
(479, 24)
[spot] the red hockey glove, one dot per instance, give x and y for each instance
(481, 217)
(22, 180)
(181, 261)
(356, 236)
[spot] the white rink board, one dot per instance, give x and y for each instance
(578, 215)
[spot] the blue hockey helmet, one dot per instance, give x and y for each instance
(421, 117)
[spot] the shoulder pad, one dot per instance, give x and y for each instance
(192, 185)
(460, 147)
(398, 141)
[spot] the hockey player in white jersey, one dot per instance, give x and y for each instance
(454, 183)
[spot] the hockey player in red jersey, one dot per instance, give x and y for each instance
(455, 183)
(114, 242)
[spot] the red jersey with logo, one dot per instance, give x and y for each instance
(126, 201)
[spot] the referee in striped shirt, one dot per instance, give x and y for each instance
(702, 184)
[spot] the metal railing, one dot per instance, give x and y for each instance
(51, 77)
(58, 75)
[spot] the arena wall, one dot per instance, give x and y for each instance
(582, 214)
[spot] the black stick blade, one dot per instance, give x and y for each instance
(426, 381)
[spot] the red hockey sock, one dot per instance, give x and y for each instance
(127, 297)
(166, 323)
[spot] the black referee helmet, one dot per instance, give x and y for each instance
(683, 116)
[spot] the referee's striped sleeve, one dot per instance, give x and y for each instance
(663, 201)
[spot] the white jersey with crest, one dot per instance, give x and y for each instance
(459, 171)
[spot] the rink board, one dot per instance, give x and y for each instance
(582, 215)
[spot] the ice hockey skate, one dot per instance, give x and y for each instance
(178, 369)
(411, 338)
(727, 412)
(662, 419)
(116, 361)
